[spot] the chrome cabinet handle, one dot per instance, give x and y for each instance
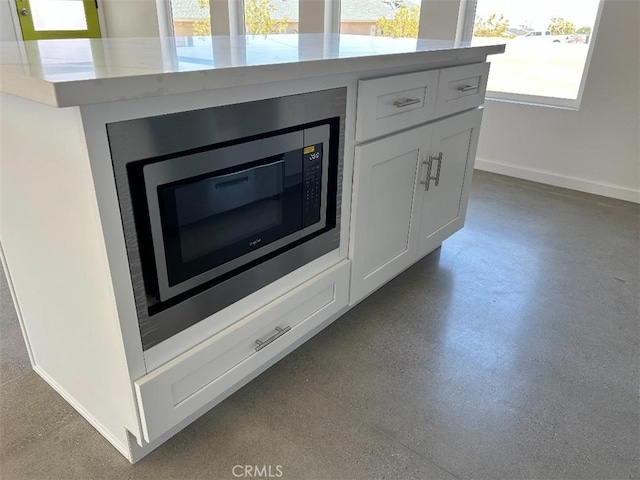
(429, 164)
(467, 88)
(405, 102)
(439, 159)
(279, 332)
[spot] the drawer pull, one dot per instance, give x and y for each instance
(429, 164)
(405, 102)
(279, 332)
(467, 88)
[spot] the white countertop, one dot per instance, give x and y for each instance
(73, 72)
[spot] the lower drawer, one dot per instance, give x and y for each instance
(212, 370)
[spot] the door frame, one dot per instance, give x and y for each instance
(17, 28)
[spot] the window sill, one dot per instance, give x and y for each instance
(533, 101)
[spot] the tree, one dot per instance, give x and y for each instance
(493, 26)
(257, 19)
(403, 24)
(202, 27)
(561, 26)
(584, 30)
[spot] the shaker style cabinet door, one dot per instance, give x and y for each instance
(449, 163)
(384, 230)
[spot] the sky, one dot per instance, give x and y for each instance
(537, 13)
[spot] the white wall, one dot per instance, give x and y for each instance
(595, 149)
(439, 19)
(7, 32)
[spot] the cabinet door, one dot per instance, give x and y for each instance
(452, 155)
(384, 230)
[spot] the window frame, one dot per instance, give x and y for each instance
(538, 100)
(234, 11)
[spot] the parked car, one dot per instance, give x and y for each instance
(545, 35)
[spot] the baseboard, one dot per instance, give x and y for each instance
(558, 180)
(123, 449)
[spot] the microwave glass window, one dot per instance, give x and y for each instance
(209, 221)
(217, 212)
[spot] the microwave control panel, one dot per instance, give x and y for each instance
(312, 188)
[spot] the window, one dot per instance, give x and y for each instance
(549, 42)
(548, 47)
(390, 18)
(261, 17)
(269, 17)
(191, 18)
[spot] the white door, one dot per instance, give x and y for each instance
(58, 19)
(384, 231)
(452, 156)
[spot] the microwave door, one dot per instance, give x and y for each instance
(215, 213)
(212, 164)
(227, 192)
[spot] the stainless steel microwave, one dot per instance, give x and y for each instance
(219, 202)
(216, 211)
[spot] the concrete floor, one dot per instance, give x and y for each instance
(511, 353)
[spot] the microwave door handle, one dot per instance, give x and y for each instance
(231, 183)
(244, 179)
(255, 183)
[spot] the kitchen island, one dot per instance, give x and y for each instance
(412, 112)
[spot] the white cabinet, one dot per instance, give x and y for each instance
(461, 88)
(390, 104)
(384, 233)
(210, 371)
(411, 189)
(444, 198)
(77, 308)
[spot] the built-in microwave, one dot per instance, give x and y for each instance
(216, 211)
(217, 203)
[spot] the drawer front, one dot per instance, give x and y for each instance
(389, 104)
(461, 88)
(220, 365)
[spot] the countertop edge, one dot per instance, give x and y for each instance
(30, 88)
(115, 89)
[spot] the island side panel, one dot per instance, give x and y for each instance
(55, 255)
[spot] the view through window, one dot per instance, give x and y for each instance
(548, 43)
(389, 18)
(262, 17)
(191, 17)
(270, 17)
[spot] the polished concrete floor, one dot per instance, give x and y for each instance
(511, 353)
